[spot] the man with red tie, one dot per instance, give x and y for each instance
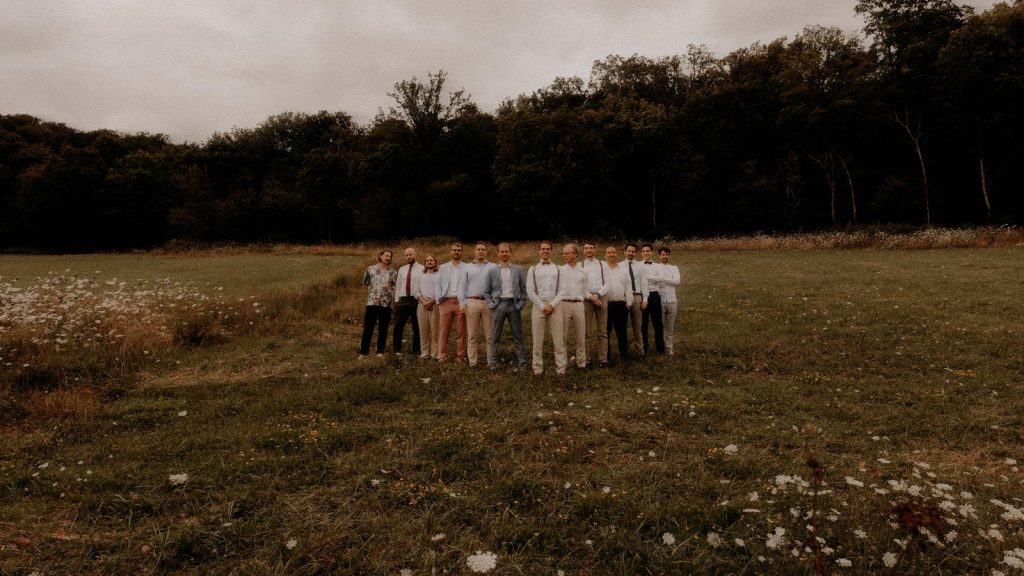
(406, 305)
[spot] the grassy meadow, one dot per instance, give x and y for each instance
(829, 411)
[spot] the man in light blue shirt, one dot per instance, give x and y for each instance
(475, 285)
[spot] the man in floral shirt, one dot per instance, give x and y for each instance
(380, 278)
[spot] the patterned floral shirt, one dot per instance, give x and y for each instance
(381, 284)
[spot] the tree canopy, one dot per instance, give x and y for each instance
(919, 124)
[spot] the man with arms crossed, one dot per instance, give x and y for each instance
(543, 285)
(574, 291)
(652, 314)
(406, 304)
(449, 280)
(637, 282)
(670, 278)
(618, 299)
(475, 284)
(506, 298)
(595, 311)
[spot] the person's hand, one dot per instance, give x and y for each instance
(462, 308)
(548, 309)
(643, 305)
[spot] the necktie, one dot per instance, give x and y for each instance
(632, 279)
(408, 281)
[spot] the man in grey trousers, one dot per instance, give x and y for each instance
(506, 296)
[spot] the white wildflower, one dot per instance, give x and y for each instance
(889, 559)
(668, 539)
(291, 544)
(843, 563)
(753, 497)
(405, 572)
(995, 534)
(606, 489)
(183, 413)
(860, 534)
(714, 540)
(482, 562)
(731, 449)
(437, 537)
(178, 479)
(854, 482)
(778, 538)
(740, 542)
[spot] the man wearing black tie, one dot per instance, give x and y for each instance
(637, 277)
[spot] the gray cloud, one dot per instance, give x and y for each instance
(189, 69)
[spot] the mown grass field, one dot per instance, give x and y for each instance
(867, 398)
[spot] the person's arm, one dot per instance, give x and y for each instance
(671, 276)
(531, 281)
(607, 275)
(560, 286)
(366, 276)
(492, 293)
(522, 286)
(645, 290)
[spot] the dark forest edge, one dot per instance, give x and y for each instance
(919, 126)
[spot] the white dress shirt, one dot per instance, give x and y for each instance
(597, 275)
(506, 280)
(654, 272)
(618, 285)
(403, 275)
(543, 284)
(574, 283)
(670, 279)
(640, 277)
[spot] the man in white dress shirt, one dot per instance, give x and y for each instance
(406, 304)
(670, 278)
(638, 287)
(652, 313)
(543, 286)
(574, 291)
(595, 310)
(618, 299)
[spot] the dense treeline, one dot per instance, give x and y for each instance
(921, 125)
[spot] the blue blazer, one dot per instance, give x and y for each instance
(493, 294)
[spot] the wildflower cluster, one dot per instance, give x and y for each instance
(63, 313)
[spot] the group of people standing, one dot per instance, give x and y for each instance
(478, 297)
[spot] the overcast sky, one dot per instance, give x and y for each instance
(189, 69)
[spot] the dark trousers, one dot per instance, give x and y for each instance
(379, 317)
(618, 316)
(405, 311)
(507, 310)
(653, 316)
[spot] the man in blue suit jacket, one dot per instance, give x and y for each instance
(506, 296)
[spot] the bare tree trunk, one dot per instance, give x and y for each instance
(915, 139)
(654, 206)
(984, 190)
(849, 181)
(828, 167)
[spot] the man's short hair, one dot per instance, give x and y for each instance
(646, 245)
(589, 243)
(505, 244)
(628, 245)
(664, 249)
(380, 255)
(456, 245)
(548, 242)
(480, 243)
